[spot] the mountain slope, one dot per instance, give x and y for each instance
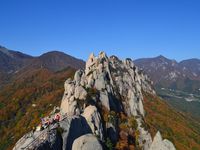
(167, 73)
(191, 67)
(113, 104)
(13, 63)
(157, 68)
(56, 61)
(177, 83)
(10, 61)
(178, 127)
(26, 99)
(27, 81)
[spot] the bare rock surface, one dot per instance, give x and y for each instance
(160, 144)
(87, 142)
(93, 100)
(93, 119)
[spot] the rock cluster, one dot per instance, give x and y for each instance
(109, 85)
(87, 142)
(111, 77)
(160, 144)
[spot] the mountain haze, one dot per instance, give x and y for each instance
(166, 73)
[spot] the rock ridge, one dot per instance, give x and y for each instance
(106, 102)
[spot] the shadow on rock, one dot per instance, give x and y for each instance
(78, 127)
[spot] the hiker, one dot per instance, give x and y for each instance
(33, 129)
(45, 123)
(57, 117)
(39, 127)
(42, 120)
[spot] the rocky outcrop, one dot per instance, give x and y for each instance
(93, 119)
(87, 142)
(112, 78)
(95, 100)
(46, 139)
(57, 136)
(160, 144)
(144, 137)
(72, 129)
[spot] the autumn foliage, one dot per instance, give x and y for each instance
(182, 130)
(29, 97)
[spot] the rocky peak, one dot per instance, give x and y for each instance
(161, 144)
(161, 57)
(112, 78)
(104, 98)
(108, 83)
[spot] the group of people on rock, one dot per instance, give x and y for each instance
(45, 122)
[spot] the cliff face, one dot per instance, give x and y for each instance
(114, 80)
(102, 108)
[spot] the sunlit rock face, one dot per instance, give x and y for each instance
(119, 85)
(112, 78)
(160, 144)
(94, 100)
(87, 142)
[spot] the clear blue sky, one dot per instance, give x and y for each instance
(127, 28)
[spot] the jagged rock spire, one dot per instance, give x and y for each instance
(160, 144)
(105, 75)
(106, 85)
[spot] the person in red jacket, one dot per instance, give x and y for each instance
(57, 117)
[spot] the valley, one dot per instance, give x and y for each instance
(183, 101)
(177, 83)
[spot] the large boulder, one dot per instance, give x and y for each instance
(93, 119)
(72, 129)
(69, 104)
(77, 76)
(80, 93)
(100, 82)
(87, 142)
(160, 144)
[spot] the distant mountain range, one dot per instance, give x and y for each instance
(166, 73)
(14, 62)
(176, 82)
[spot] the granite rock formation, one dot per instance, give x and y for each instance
(94, 101)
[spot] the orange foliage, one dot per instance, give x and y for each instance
(182, 130)
(18, 116)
